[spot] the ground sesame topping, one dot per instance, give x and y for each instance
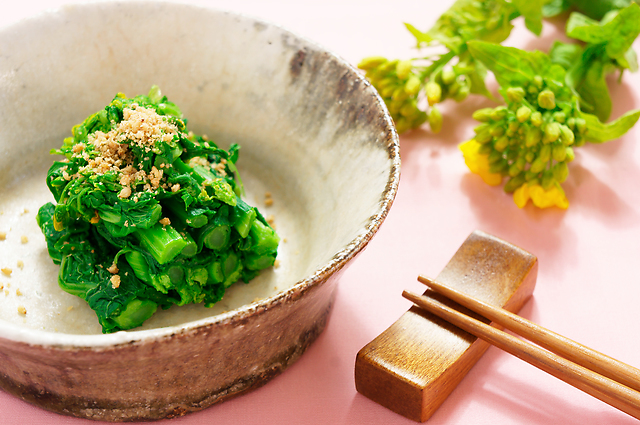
(165, 221)
(24, 239)
(20, 264)
(6, 271)
(115, 281)
(21, 310)
(3, 236)
(113, 269)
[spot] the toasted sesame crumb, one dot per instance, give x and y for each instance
(165, 221)
(22, 310)
(175, 187)
(276, 263)
(24, 239)
(115, 281)
(268, 202)
(113, 269)
(1, 286)
(18, 292)
(26, 211)
(3, 236)
(70, 308)
(6, 292)
(6, 271)
(20, 264)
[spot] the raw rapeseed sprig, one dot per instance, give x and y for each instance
(531, 139)
(412, 89)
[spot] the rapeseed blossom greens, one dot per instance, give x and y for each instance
(148, 215)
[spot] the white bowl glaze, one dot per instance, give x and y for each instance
(313, 132)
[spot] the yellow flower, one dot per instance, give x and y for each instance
(554, 196)
(479, 163)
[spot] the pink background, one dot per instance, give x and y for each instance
(588, 282)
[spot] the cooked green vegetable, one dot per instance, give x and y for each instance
(149, 215)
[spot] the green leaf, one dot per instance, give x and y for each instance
(594, 90)
(597, 9)
(618, 34)
(510, 65)
(598, 132)
(531, 10)
(477, 79)
(421, 37)
(565, 54)
(555, 7)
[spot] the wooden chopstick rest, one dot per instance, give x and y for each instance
(413, 366)
(601, 387)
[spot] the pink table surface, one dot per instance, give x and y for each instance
(588, 282)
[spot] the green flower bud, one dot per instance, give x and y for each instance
(385, 82)
(448, 76)
(538, 81)
(566, 135)
(580, 141)
(484, 136)
(537, 165)
(581, 125)
(547, 179)
(515, 94)
(403, 69)
(571, 123)
(482, 127)
(531, 177)
(545, 153)
(559, 116)
(514, 183)
(497, 131)
(533, 137)
(494, 157)
(499, 167)
(514, 126)
(399, 94)
(388, 66)
(483, 115)
(523, 113)
(499, 112)
(517, 167)
(408, 109)
(435, 119)
(501, 143)
(412, 86)
(486, 149)
(560, 172)
(530, 156)
(371, 62)
(387, 92)
(462, 94)
(536, 118)
(547, 99)
(551, 132)
(558, 152)
(532, 89)
(402, 125)
(394, 107)
(434, 92)
(570, 154)
(512, 154)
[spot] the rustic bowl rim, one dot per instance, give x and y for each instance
(20, 334)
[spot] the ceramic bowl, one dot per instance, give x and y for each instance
(313, 133)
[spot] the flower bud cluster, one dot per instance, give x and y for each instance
(531, 140)
(399, 86)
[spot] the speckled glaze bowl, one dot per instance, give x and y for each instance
(313, 133)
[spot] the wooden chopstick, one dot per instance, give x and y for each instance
(601, 387)
(565, 347)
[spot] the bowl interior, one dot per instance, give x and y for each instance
(312, 133)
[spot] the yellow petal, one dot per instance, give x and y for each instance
(478, 163)
(521, 195)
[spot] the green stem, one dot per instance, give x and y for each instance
(162, 242)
